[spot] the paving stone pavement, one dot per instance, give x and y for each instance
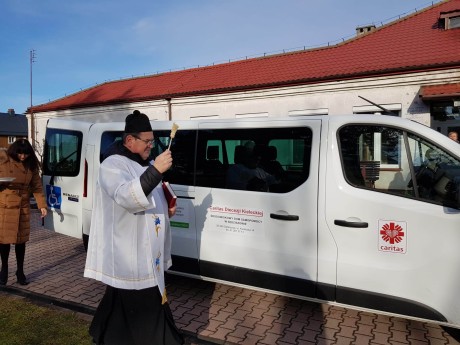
(210, 313)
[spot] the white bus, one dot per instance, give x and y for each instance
(361, 210)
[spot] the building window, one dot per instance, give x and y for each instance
(11, 139)
(248, 115)
(450, 20)
(454, 22)
(308, 112)
(445, 110)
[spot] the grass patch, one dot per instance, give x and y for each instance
(23, 322)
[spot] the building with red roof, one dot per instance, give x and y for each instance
(410, 67)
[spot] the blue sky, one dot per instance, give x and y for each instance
(81, 43)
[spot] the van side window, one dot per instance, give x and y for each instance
(107, 139)
(419, 168)
(62, 152)
(183, 153)
(260, 160)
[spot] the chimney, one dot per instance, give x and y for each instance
(362, 30)
(11, 112)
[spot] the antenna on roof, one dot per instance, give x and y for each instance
(380, 107)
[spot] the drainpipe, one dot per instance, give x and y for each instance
(168, 101)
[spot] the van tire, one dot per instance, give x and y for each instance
(85, 242)
(453, 332)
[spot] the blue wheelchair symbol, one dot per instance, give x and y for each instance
(53, 196)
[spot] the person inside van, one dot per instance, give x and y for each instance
(429, 174)
(246, 173)
(270, 163)
(130, 242)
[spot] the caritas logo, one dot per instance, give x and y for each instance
(392, 236)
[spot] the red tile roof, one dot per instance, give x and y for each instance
(440, 91)
(413, 43)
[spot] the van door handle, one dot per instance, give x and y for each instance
(348, 224)
(284, 216)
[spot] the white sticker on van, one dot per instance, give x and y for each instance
(235, 220)
(181, 219)
(392, 236)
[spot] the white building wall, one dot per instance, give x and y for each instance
(399, 92)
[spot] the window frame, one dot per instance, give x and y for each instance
(222, 137)
(395, 110)
(57, 170)
(413, 189)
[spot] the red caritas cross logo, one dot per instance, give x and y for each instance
(392, 233)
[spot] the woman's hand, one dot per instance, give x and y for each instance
(44, 212)
(172, 211)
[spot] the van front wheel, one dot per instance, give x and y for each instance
(85, 242)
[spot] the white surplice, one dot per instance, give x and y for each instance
(130, 241)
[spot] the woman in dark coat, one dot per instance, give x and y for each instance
(19, 164)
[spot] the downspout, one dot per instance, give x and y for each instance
(168, 102)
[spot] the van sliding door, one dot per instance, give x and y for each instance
(256, 203)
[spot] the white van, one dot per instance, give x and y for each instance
(361, 210)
